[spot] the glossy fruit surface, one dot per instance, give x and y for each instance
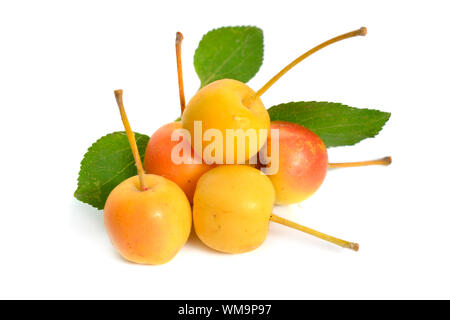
(220, 105)
(151, 226)
(232, 208)
(302, 162)
(158, 160)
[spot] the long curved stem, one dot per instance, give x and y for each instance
(360, 32)
(383, 161)
(320, 235)
(131, 139)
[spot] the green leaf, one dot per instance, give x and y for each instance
(335, 123)
(229, 53)
(108, 162)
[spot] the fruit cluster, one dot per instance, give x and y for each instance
(230, 202)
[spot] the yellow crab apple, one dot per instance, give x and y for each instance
(147, 217)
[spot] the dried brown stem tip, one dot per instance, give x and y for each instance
(363, 31)
(179, 37)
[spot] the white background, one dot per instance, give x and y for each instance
(59, 64)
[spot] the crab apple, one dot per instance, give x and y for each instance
(302, 162)
(233, 208)
(149, 226)
(147, 217)
(158, 160)
(220, 106)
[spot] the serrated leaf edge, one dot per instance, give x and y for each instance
(388, 115)
(202, 84)
(83, 163)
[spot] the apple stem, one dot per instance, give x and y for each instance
(320, 235)
(178, 41)
(360, 32)
(131, 139)
(383, 161)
